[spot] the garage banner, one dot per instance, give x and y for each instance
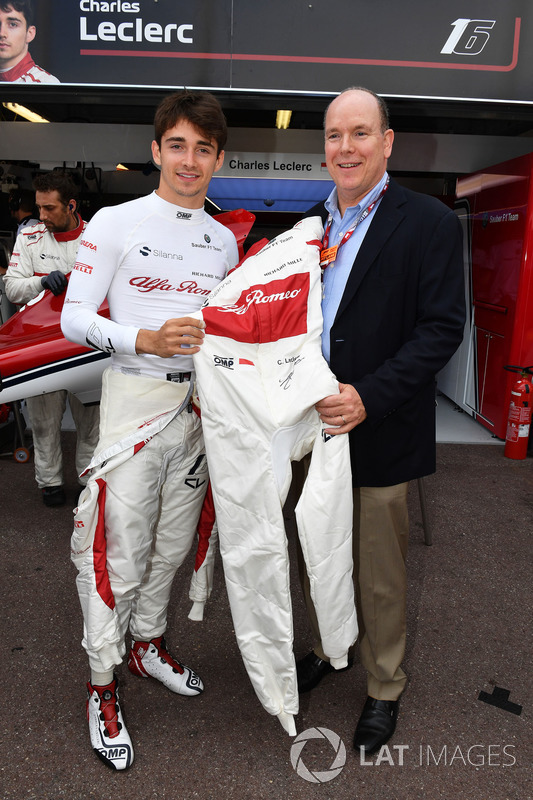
(460, 49)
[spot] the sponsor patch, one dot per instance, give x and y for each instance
(224, 361)
(83, 267)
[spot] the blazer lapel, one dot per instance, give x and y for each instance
(386, 219)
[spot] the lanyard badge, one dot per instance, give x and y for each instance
(329, 254)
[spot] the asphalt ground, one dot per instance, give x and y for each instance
(469, 632)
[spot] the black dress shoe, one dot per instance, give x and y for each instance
(376, 724)
(53, 496)
(311, 669)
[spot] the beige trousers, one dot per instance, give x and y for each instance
(381, 528)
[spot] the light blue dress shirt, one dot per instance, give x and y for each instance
(336, 274)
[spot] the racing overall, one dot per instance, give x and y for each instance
(138, 516)
(260, 372)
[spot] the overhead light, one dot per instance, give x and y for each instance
(121, 166)
(22, 111)
(283, 118)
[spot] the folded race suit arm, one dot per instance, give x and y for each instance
(202, 577)
(326, 549)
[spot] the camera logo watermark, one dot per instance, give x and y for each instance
(425, 755)
(315, 776)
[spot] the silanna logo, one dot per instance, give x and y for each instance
(222, 361)
(44, 256)
(146, 251)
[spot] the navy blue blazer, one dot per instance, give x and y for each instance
(399, 321)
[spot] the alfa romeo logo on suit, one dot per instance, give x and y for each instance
(336, 765)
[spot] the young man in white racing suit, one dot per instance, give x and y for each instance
(155, 259)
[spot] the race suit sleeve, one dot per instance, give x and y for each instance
(22, 285)
(98, 259)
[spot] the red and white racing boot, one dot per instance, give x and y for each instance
(151, 659)
(109, 737)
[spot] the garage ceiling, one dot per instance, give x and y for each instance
(257, 110)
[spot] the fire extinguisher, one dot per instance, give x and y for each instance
(519, 419)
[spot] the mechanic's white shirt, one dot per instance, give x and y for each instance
(38, 252)
(154, 261)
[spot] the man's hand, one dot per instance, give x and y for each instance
(55, 281)
(182, 336)
(344, 410)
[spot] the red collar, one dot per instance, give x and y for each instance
(69, 236)
(18, 70)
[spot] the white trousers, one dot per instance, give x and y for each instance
(151, 505)
(46, 413)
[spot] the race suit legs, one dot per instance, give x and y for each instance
(153, 502)
(46, 414)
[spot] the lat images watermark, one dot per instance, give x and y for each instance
(318, 776)
(397, 755)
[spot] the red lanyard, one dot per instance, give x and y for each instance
(329, 254)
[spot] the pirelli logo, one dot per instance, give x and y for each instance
(83, 267)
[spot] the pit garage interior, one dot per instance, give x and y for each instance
(92, 131)
(103, 135)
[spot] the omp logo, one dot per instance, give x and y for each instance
(113, 753)
(258, 296)
(182, 215)
(469, 37)
(145, 251)
(90, 245)
(220, 361)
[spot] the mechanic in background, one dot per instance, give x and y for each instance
(43, 255)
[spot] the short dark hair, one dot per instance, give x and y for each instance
(201, 109)
(22, 6)
(57, 181)
(22, 199)
(382, 106)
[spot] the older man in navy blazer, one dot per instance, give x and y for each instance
(393, 316)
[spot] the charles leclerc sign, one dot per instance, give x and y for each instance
(460, 49)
